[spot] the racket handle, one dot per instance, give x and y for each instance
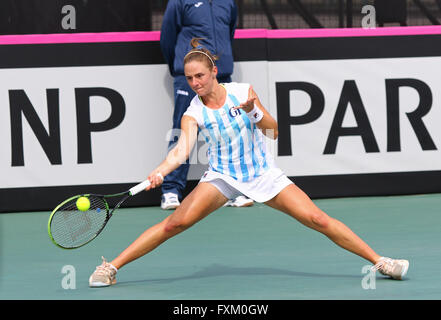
(139, 187)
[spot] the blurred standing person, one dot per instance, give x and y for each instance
(214, 23)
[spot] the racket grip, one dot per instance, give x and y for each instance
(139, 187)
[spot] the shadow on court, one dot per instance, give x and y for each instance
(218, 270)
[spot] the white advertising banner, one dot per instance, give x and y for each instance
(138, 97)
(110, 124)
(371, 115)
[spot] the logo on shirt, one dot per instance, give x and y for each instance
(234, 112)
(184, 93)
(197, 5)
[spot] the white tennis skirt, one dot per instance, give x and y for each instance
(260, 189)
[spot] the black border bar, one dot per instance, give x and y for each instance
(258, 49)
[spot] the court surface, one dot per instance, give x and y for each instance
(235, 253)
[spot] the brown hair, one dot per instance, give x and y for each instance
(199, 53)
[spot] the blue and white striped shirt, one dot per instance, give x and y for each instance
(236, 147)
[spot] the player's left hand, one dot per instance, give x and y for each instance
(248, 105)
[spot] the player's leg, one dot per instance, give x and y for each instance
(293, 201)
(203, 200)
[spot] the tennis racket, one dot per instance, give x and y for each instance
(70, 228)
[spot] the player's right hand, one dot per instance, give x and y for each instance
(156, 178)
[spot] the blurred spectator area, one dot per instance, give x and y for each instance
(44, 16)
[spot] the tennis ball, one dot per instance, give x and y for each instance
(83, 204)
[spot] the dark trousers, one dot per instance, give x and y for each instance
(176, 181)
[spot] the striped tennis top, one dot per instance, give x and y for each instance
(236, 147)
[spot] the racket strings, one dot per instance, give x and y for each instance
(71, 227)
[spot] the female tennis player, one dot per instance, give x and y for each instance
(233, 122)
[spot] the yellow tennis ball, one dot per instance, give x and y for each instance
(83, 204)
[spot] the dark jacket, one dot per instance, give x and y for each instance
(214, 20)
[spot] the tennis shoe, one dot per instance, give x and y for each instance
(396, 269)
(169, 201)
(240, 201)
(103, 276)
(229, 203)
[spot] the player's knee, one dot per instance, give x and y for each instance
(319, 220)
(175, 226)
(172, 227)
